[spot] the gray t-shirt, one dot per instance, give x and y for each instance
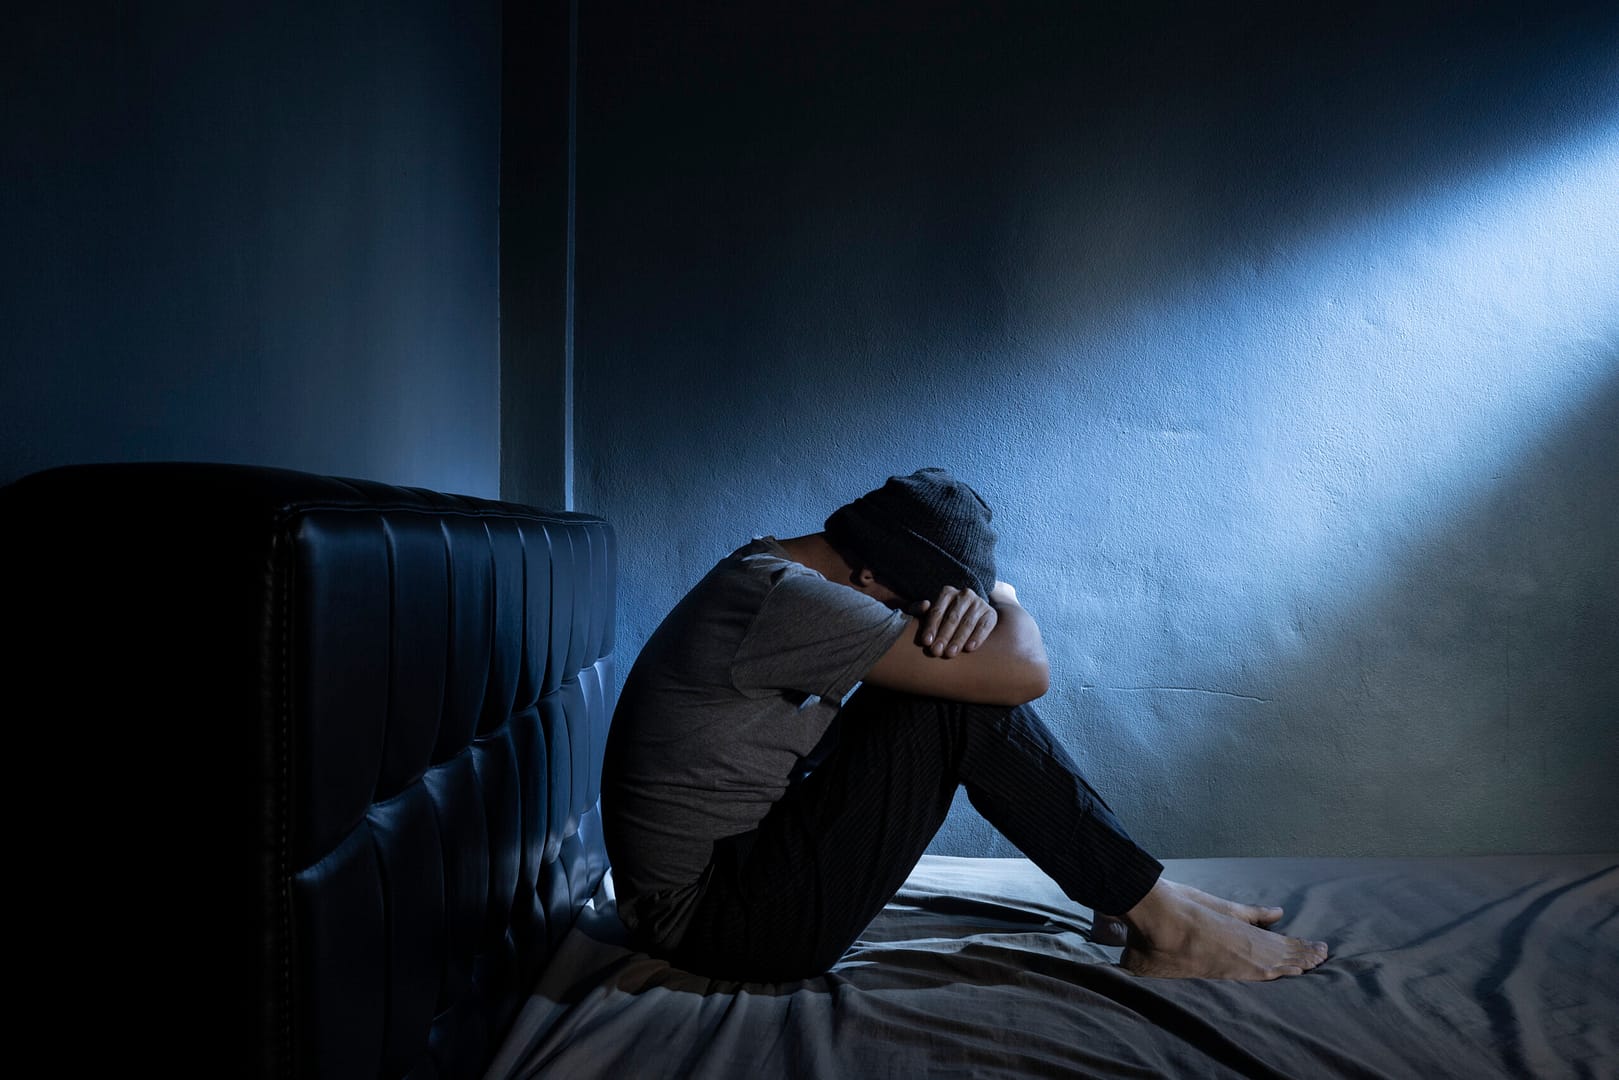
(729, 695)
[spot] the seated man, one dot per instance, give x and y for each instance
(757, 821)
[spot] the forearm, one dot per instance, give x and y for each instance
(1006, 667)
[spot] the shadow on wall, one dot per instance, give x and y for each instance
(1506, 614)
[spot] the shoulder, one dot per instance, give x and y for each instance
(766, 564)
(761, 575)
(809, 634)
(764, 555)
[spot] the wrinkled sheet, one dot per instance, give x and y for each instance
(1441, 967)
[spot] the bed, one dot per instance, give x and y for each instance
(306, 786)
(1490, 966)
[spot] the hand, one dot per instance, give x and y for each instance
(958, 621)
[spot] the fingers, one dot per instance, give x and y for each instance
(969, 626)
(954, 610)
(949, 639)
(986, 623)
(935, 612)
(956, 621)
(942, 617)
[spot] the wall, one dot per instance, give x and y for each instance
(536, 265)
(262, 235)
(1283, 339)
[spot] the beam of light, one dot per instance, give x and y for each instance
(1290, 426)
(1435, 346)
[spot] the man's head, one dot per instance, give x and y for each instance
(919, 533)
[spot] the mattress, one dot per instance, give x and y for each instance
(1441, 967)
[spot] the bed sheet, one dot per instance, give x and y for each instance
(1441, 967)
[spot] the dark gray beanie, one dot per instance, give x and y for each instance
(919, 533)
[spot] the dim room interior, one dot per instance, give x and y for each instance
(1283, 339)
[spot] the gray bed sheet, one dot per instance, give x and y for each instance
(1469, 967)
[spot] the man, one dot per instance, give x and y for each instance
(759, 815)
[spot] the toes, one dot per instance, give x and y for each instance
(1256, 915)
(1253, 914)
(1307, 954)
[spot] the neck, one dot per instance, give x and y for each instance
(816, 553)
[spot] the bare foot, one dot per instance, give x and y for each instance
(1178, 932)
(1114, 930)
(1253, 914)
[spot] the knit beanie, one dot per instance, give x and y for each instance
(919, 533)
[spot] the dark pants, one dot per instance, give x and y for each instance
(785, 900)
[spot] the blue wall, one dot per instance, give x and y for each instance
(262, 235)
(1284, 341)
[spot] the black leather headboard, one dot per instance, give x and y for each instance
(321, 760)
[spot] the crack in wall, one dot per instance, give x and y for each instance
(1176, 689)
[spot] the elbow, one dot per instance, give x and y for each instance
(1039, 681)
(1032, 681)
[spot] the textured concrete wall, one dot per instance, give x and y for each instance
(264, 236)
(1284, 342)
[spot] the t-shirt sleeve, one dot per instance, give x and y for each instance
(815, 637)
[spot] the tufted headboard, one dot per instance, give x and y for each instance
(319, 762)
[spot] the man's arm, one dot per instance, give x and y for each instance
(1008, 668)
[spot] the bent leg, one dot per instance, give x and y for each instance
(1024, 783)
(786, 900)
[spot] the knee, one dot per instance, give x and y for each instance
(882, 700)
